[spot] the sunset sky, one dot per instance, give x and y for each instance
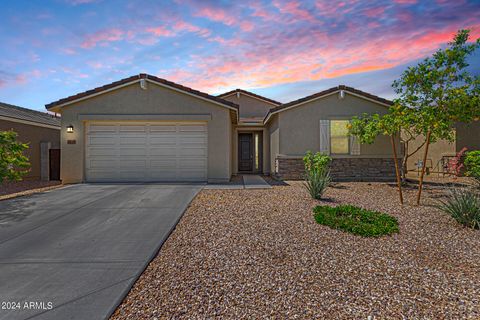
(281, 49)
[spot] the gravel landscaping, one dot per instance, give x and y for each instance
(24, 187)
(260, 254)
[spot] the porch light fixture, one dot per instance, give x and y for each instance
(341, 94)
(70, 129)
(143, 84)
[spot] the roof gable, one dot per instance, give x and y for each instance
(250, 94)
(137, 78)
(324, 93)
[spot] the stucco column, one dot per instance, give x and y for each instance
(45, 160)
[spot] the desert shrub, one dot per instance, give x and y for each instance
(316, 182)
(472, 165)
(463, 205)
(356, 220)
(317, 173)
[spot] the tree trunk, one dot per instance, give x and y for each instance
(404, 168)
(397, 171)
(424, 164)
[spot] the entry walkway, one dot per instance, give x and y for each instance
(250, 181)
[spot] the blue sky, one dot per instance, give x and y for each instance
(281, 49)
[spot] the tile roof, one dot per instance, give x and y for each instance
(251, 94)
(138, 77)
(15, 112)
(326, 92)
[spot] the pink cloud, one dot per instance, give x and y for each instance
(185, 26)
(246, 26)
(102, 37)
(293, 8)
(217, 15)
(68, 51)
(374, 12)
(405, 1)
(255, 64)
(160, 31)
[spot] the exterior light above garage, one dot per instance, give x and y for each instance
(70, 129)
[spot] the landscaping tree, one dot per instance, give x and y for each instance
(433, 96)
(13, 163)
(441, 92)
(367, 128)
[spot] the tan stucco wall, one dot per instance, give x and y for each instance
(155, 100)
(274, 133)
(435, 153)
(300, 126)
(250, 107)
(468, 135)
(33, 135)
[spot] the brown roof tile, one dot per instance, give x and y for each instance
(137, 77)
(251, 94)
(326, 92)
(16, 112)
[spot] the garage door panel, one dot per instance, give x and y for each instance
(101, 140)
(163, 140)
(169, 151)
(192, 151)
(192, 128)
(163, 128)
(98, 129)
(132, 151)
(126, 140)
(132, 128)
(193, 163)
(146, 152)
(100, 164)
(167, 163)
(140, 164)
(101, 152)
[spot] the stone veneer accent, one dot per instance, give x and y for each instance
(341, 169)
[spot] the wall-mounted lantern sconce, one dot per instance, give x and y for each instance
(70, 129)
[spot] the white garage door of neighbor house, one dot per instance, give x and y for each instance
(146, 151)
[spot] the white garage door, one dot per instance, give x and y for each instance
(141, 151)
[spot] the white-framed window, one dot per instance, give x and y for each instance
(339, 138)
(335, 140)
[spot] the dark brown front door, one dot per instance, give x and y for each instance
(54, 164)
(245, 152)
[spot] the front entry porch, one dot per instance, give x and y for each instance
(250, 152)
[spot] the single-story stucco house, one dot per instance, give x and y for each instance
(42, 133)
(144, 128)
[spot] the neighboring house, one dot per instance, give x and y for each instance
(42, 133)
(440, 152)
(144, 128)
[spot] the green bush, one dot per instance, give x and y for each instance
(356, 220)
(472, 165)
(13, 163)
(464, 206)
(317, 173)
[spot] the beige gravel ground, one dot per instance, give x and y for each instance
(259, 254)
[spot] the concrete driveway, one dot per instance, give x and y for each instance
(74, 252)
